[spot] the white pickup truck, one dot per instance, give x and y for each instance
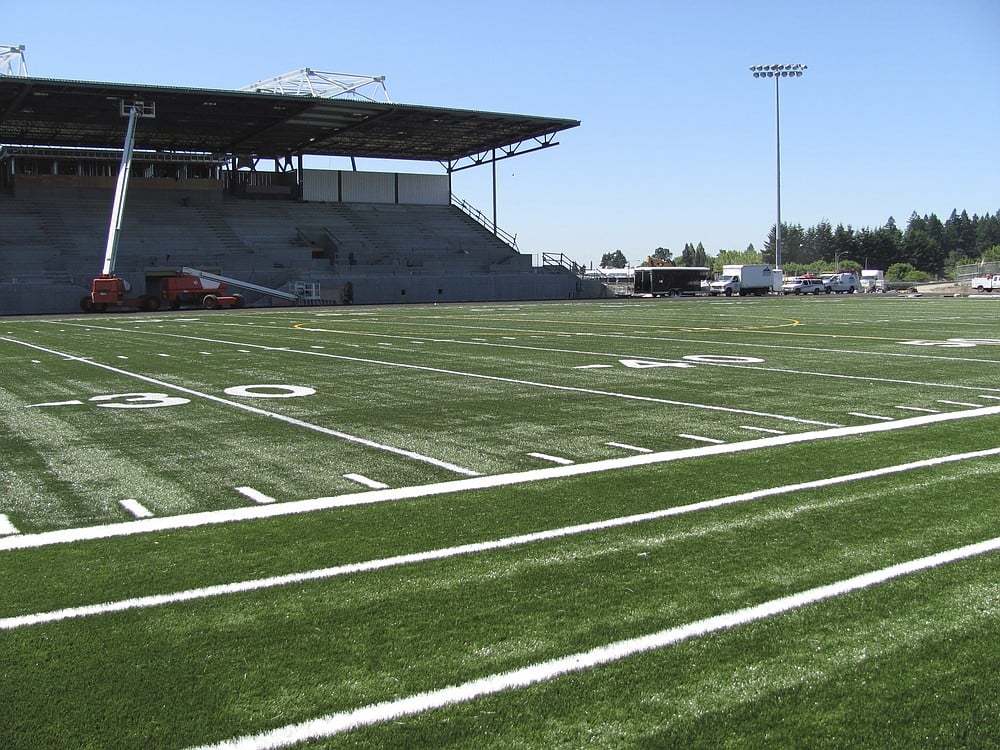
(987, 283)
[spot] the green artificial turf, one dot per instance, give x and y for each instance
(411, 396)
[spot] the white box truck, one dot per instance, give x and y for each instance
(745, 279)
(872, 280)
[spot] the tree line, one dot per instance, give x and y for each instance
(926, 244)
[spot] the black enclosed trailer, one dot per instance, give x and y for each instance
(670, 281)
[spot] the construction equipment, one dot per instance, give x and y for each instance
(109, 290)
(206, 278)
(189, 287)
(189, 291)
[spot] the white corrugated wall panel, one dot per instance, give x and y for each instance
(320, 185)
(368, 187)
(424, 189)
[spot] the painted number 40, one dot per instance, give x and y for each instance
(952, 343)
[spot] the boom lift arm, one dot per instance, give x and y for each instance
(198, 274)
(121, 187)
(108, 289)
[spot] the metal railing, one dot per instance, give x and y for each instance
(484, 220)
(561, 260)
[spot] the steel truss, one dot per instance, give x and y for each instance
(505, 152)
(309, 82)
(12, 60)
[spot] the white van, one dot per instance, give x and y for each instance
(844, 282)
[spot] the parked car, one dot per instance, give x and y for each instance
(803, 285)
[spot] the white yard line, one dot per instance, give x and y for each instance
(379, 713)
(228, 589)
(553, 459)
(782, 371)
(231, 515)
(649, 336)
(255, 410)
(701, 439)
(716, 364)
(135, 508)
(6, 527)
(870, 416)
(761, 429)
(256, 496)
(363, 480)
(473, 375)
(627, 447)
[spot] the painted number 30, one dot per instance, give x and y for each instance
(155, 400)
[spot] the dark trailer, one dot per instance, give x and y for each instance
(670, 281)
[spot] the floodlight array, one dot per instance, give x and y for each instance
(778, 71)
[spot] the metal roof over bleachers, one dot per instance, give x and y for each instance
(84, 114)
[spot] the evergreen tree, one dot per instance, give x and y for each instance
(614, 260)
(688, 255)
(701, 257)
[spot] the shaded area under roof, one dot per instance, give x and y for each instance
(83, 114)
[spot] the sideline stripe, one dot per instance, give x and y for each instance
(259, 584)
(378, 713)
(192, 520)
(254, 409)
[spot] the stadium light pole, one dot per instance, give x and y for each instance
(777, 72)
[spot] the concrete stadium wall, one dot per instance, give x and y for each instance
(39, 297)
(371, 289)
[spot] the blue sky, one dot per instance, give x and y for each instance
(898, 111)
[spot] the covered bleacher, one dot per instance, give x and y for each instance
(219, 182)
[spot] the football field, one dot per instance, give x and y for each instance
(628, 523)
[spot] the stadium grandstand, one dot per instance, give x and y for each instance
(221, 181)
